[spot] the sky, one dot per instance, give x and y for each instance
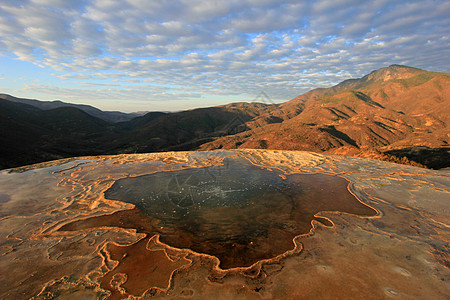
(169, 55)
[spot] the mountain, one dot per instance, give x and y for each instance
(109, 116)
(186, 130)
(391, 113)
(30, 135)
(397, 113)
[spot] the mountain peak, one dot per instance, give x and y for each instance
(392, 72)
(378, 76)
(397, 66)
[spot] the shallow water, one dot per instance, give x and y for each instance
(237, 212)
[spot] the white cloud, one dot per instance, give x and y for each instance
(219, 47)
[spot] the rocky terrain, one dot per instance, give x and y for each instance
(240, 224)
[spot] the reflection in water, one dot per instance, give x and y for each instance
(237, 212)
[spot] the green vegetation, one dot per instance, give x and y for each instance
(335, 98)
(415, 80)
(298, 137)
(366, 98)
(262, 144)
(329, 99)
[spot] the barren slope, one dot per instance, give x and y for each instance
(392, 108)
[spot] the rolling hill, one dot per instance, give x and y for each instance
(31, 135)
(109, 116)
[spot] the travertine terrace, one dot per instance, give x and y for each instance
(68, 231)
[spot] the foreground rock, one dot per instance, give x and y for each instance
(239, 224)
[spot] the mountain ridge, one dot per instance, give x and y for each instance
(389, 109)
(109, 116)
(395, 113)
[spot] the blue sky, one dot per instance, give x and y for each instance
(133, 55)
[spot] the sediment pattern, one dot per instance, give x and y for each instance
(62, 236)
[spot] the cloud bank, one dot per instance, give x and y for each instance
(194, 49)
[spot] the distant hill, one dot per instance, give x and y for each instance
(109, 116)
(186, 130)
(30, 135)
(397, 113)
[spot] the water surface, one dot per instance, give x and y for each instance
(237, 212)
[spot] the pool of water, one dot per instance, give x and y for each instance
(238, 212)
